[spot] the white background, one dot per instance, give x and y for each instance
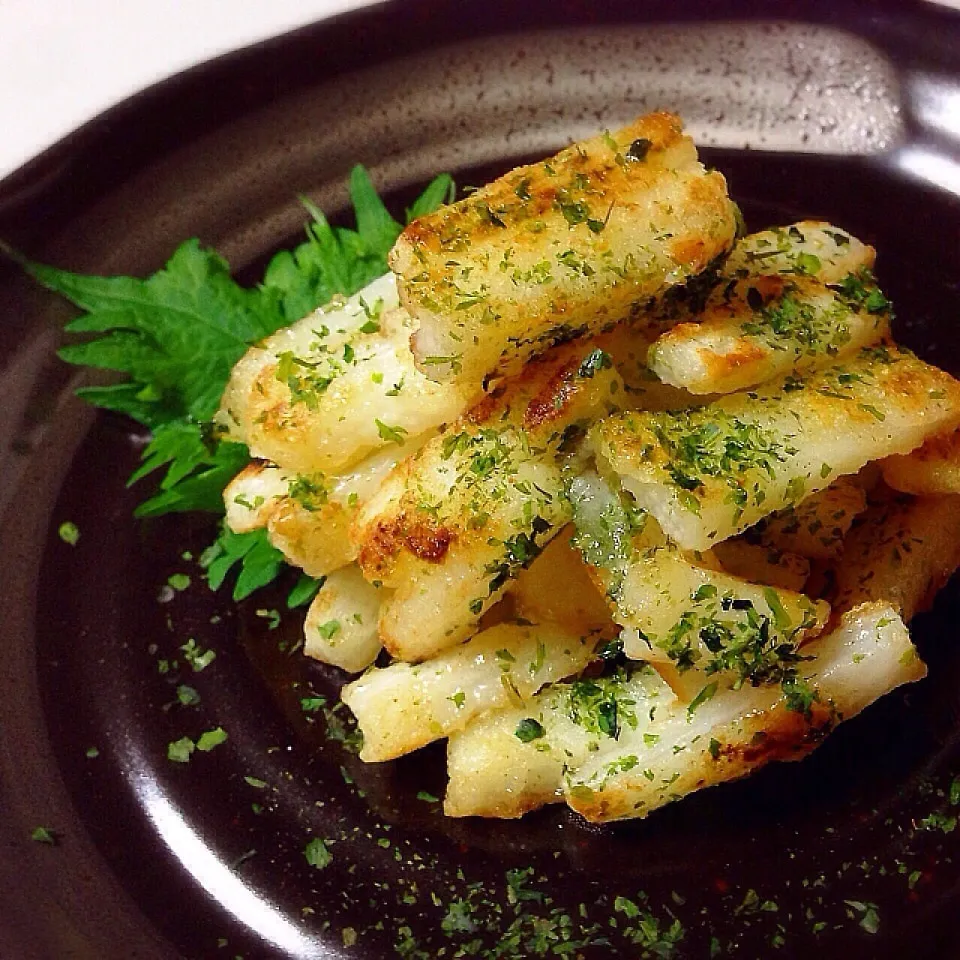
(64, 61)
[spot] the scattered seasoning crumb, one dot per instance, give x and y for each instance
(349, 936)
(427, 797)
(243, 858)
(92, 753)
(312, 704)
(44, 835)
(69, 533)
(317, 853)
(255, 782)
(211, 738)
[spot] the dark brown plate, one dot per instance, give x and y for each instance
(157, 859)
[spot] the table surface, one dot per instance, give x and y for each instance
(67, 62)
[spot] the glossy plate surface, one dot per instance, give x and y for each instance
(849, 115)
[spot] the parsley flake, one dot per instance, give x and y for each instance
(211, 738)
(703, 696)
(198, 658)
(69, 533)
(187, 696)
(529, 729)
(395, 435)
(179, 751)
(178, 581)
(869, 914)
(318, 854)
(329, 629)
(44, 835)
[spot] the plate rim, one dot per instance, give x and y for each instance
(27, 190)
